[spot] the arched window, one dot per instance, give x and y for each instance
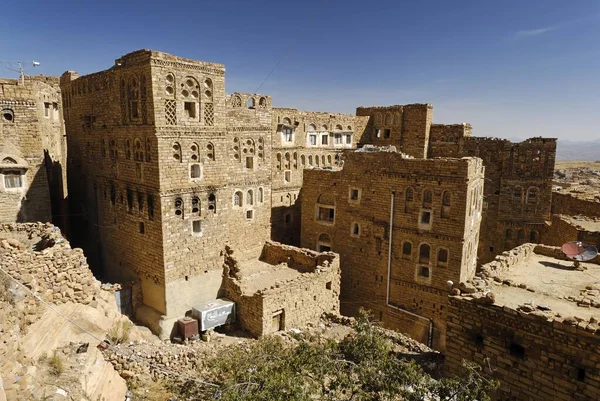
(310, 160)
(9, 160)
(133, 97)
(534, 237)
(427, 197)
(446, 198)
(329, 160)
(210, 151)
(388, 119)
(407, 249)
(349, 128)
(532, 195)
(378, 118)
(338, 127)
(409, 194)
(521, 234)
(8, 115)
(113, 149)
(317, 160)
(303, 160)
(236, 101)
(508, 234)
(324, 243)
(323, 160)
(237, 198)
(396, 118)
(311, 128)
(194, 150)
(262, 102)
(324, 127)
(128, 149)
(195, 205)
(212, 203)
(179, 207)
(250, 103)
(287, 121)
(260, 195)
(177, 151)
(249, 197)
(424, 253)
(138, 150)
(326, 208)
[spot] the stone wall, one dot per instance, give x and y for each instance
(361, 195)
(571, 205)
(32, 147)
(535, 358)
(562, 229)
(294, 303)
(405, 127)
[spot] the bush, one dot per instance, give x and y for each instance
(120, 332)
(56, 364)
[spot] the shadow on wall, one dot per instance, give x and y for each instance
(34, 205)
(58, 200)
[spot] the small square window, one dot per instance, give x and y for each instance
(425, 217)
(328, 285)
(287, 176)
(354, 194)
(424, 271)
(195, 171)
(197, 226)
(386, 133)
(190, 109)
(249, 214)
(249, 162)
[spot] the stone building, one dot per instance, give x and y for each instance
(32, 151)
(402, 234)
(300, 140)
(531, 321)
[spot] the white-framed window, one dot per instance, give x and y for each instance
(338, 139)
(287, 135)
(47, 110)
(249, 214)
(348, 139)
(312, 139)
(195, 171)
(13, 179)
(325, 139)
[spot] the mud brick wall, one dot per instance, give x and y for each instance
(570, 205)
(405, 127)
(534, 358)
(446, 139)
(562, 230)
(364, 255)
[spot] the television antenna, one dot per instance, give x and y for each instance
(579, 252)
(17, 66)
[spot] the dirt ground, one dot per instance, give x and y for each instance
(580, 178)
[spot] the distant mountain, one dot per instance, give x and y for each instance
(578, 150)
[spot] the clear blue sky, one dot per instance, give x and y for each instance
(511, 68)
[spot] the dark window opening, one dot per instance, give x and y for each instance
(442, 256)
(140, 200)
(581, 374)
(407, 249)
(190, 109)
(212, 203)
(354, 194)
(179, 207)
(356, 229)
(426, 217)
(423, 271)
(517, 350)
(129, 200)
(328, 285)
(326, 214)
(478, 340)
(197, 226)
(250, 162)
(424, 252)
(141, 228)
(386, 133)
(249, 214)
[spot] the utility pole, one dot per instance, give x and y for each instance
(17, 66)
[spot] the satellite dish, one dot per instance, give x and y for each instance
(579, 251)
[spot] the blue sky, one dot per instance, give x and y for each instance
(511, 68)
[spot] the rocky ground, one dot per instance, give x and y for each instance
(582, 179)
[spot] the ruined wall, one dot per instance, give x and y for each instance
(534, 358)
(298, 142)
(570, 205)
(32, 150)
(361, 196)
(295, 303)
(447, 139)
(405, 127)
(561, 230)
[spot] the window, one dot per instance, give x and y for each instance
(409, 194)
(249, 197)
(521, 234)
(190, 109)
(378, 133)
(517, 192)
(348, 139)
(150, 200)
(179, 207)
(260, 195)
(355, 230)
(424, 251)
(311, 128)
(237, 199)
(47, 110)
(288, 134)
(324, 139)
(13, 179)
(195, 171)
(326, 214)
(287, 218)
(287, 176)
(407, 249)
(112, 147)
(195, 205)
(141, 228)
(386, 133)
(249, 214)
(113, 194)
(138, 150)
(250, 162)
(508, 234)
(55, 111)
(532, 195)
(324, 243)
(425, 217)
(194, 149)
(442, 256)
(338, 139)
(312, 139)
(534, 237)
(446, 198)
(129, 200)
(196, 226)
(8, 115)
(424, 271)
(212, 203)
(140, 201)
(310, 160)
(517, 350)
(177, 151)
(354, 194)
(427, 197)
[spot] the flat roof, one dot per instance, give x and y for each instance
(553, 283)
(257, 275)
